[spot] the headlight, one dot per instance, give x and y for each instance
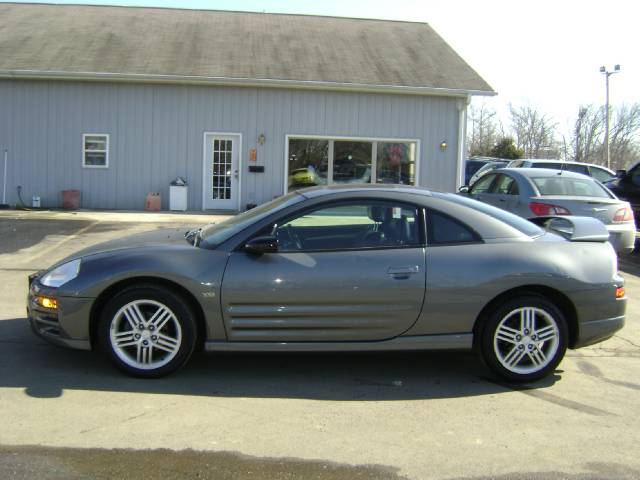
(62, 274)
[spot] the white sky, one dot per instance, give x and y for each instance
(544, 52)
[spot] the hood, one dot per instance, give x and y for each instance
(161, 237)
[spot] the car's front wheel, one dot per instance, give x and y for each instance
(524, 339)
(147, 331)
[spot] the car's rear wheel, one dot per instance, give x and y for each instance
(524, 339)
(147, 331)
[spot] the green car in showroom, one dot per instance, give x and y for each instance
(349, 268)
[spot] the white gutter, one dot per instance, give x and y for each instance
(243, 82)
(462, 136)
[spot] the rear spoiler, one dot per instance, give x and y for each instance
(574, 229)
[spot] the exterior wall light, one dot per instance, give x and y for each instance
(261, 139)
(443, 146)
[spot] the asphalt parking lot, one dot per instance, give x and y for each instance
(68, 414)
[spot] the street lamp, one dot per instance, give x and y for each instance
(607, 74)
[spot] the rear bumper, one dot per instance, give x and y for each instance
(598, 331)
(622, 237)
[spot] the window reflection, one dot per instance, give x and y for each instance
(308, 163)
(396, 163)
(352, 162)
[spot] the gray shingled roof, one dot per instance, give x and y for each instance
(228, 45)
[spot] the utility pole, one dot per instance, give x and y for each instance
(607, 74)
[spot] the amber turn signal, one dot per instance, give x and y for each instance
(620, 292)
(47, 302)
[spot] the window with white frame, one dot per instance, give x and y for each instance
(95, 150)
(324, 160)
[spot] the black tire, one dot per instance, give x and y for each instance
(496, 350)
(181, 324)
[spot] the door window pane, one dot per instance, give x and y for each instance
(352, 162)
(308, 163)
(505, 185)
(352, 226)
(222, 169)
(482, 185)
(396, 163)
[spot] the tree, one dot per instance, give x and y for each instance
(588, 145)
(534, 132)
(623, 136)
(483, 131)
(506, 148)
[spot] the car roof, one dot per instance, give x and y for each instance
(319, 191)
(542, 172)
(548, 160)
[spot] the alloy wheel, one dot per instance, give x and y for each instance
(526, 340)
(145, 334)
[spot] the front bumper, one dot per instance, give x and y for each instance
(67, 325)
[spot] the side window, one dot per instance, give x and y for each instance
(635, 176)
(483, 185)
(553, 166)
(572, 167)
(95, 150)
(600, 174)
(443, 230)
(351, 226)
(505, 185)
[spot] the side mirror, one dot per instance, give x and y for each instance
(463, 189)
(263, 244)
(620, 173)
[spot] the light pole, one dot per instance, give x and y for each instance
(607, 74)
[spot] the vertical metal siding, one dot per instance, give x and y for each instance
(156, 133)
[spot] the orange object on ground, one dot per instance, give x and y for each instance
(153, 203)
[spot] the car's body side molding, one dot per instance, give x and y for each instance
(456, 341)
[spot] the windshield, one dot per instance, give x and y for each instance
(519, 223)
(572, 187)
(216, 233)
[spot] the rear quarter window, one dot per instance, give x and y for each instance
(443, 230)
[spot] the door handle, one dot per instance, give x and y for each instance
(403, 272)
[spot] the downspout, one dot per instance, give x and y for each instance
(462, 135)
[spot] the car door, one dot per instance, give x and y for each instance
(503, 193)
(343, 272)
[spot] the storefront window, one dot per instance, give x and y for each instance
(396, 163)
(308, 162)
(350, 161)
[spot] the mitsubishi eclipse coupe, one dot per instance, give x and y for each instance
(351, 268)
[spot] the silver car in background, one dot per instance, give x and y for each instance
(541, 192)
(600, 173)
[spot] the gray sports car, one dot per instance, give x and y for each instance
(351, 268)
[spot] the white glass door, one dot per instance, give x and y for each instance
(221, 172)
